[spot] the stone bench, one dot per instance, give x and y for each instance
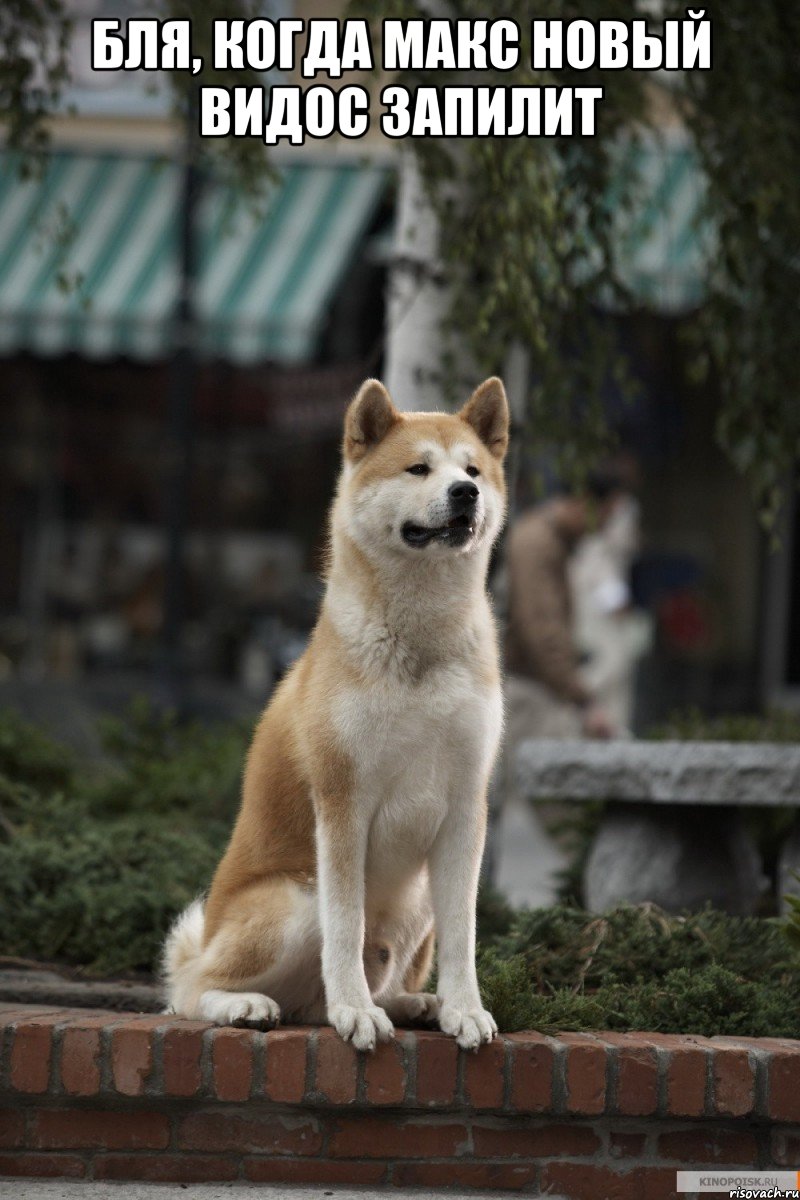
(672, 832)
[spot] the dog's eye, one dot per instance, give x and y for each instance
(419, 469)
(472, 471)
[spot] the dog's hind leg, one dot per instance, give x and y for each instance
(262, 958)
(412, 1004)
(250, 1009)
(409, 931)
(419, 968)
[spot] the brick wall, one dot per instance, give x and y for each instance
(104, 1095)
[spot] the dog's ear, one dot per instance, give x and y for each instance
(487, 412)
(369, 418)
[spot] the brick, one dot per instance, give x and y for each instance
(673, 1041)
(42, 1166)
(74, 1129)
(182, 1050)
(583, 1182)
(585, 1075)
(437, 1066)
(687, 1071)
(531, 1073)
(267, 1132)
(166, 1168)
(580, 1181)
(80, 1062)
(313, 1170)
(132, 1058)
(524, 1140)
(90, 1018)
(285, 1079)
(709, 1146)
(419, 1147)
(506, 1176)
(337, 1069)
(31, 1054)
(24, 1015)
(374, 1137)
(11, 1012)
(658, 1183)
(637, 1074)
(155, 1022)
(385, 1073)
(232, 1063)
(772, 1045)
(626, 1145)
(785, 1148)
(734, 1083)
(12, 1128)
(784, 1085)
(484, 1075)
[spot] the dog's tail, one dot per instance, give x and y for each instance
(180, 959)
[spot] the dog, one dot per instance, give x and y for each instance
(363, 812)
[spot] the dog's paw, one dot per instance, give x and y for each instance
(413, 1006)
(250, 1009)
(361, 1026)
(469, 1026)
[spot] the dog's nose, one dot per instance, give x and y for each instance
(462, 494)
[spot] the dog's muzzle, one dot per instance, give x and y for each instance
(460, 526)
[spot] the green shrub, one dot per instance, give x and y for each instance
(567, 947)
(160, 765)
(792, 922)
(495, 915)
(30, 756)
(100, 895)
(637, 968)
(95, 863)
(710, 1002)
(692, 725)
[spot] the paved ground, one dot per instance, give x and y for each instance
(24, 1189)
(527, 858)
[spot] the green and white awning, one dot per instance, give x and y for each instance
(663, 245)
(89, 254)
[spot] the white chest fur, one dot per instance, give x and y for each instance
(416, 750)
(421, 724)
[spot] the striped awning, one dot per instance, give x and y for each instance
(663, 245)
(89, 257)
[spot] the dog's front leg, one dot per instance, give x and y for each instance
(454, 866)
(341, 858)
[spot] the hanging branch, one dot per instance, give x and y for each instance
(530, 208)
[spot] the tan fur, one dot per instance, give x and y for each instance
(304, 770)
(418, 973)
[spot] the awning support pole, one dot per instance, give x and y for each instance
(180, 405)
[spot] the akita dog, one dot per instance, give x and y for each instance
(364, 799)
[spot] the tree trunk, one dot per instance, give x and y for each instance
(418, 299)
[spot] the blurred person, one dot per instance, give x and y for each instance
(611, 634)
(547, 695)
